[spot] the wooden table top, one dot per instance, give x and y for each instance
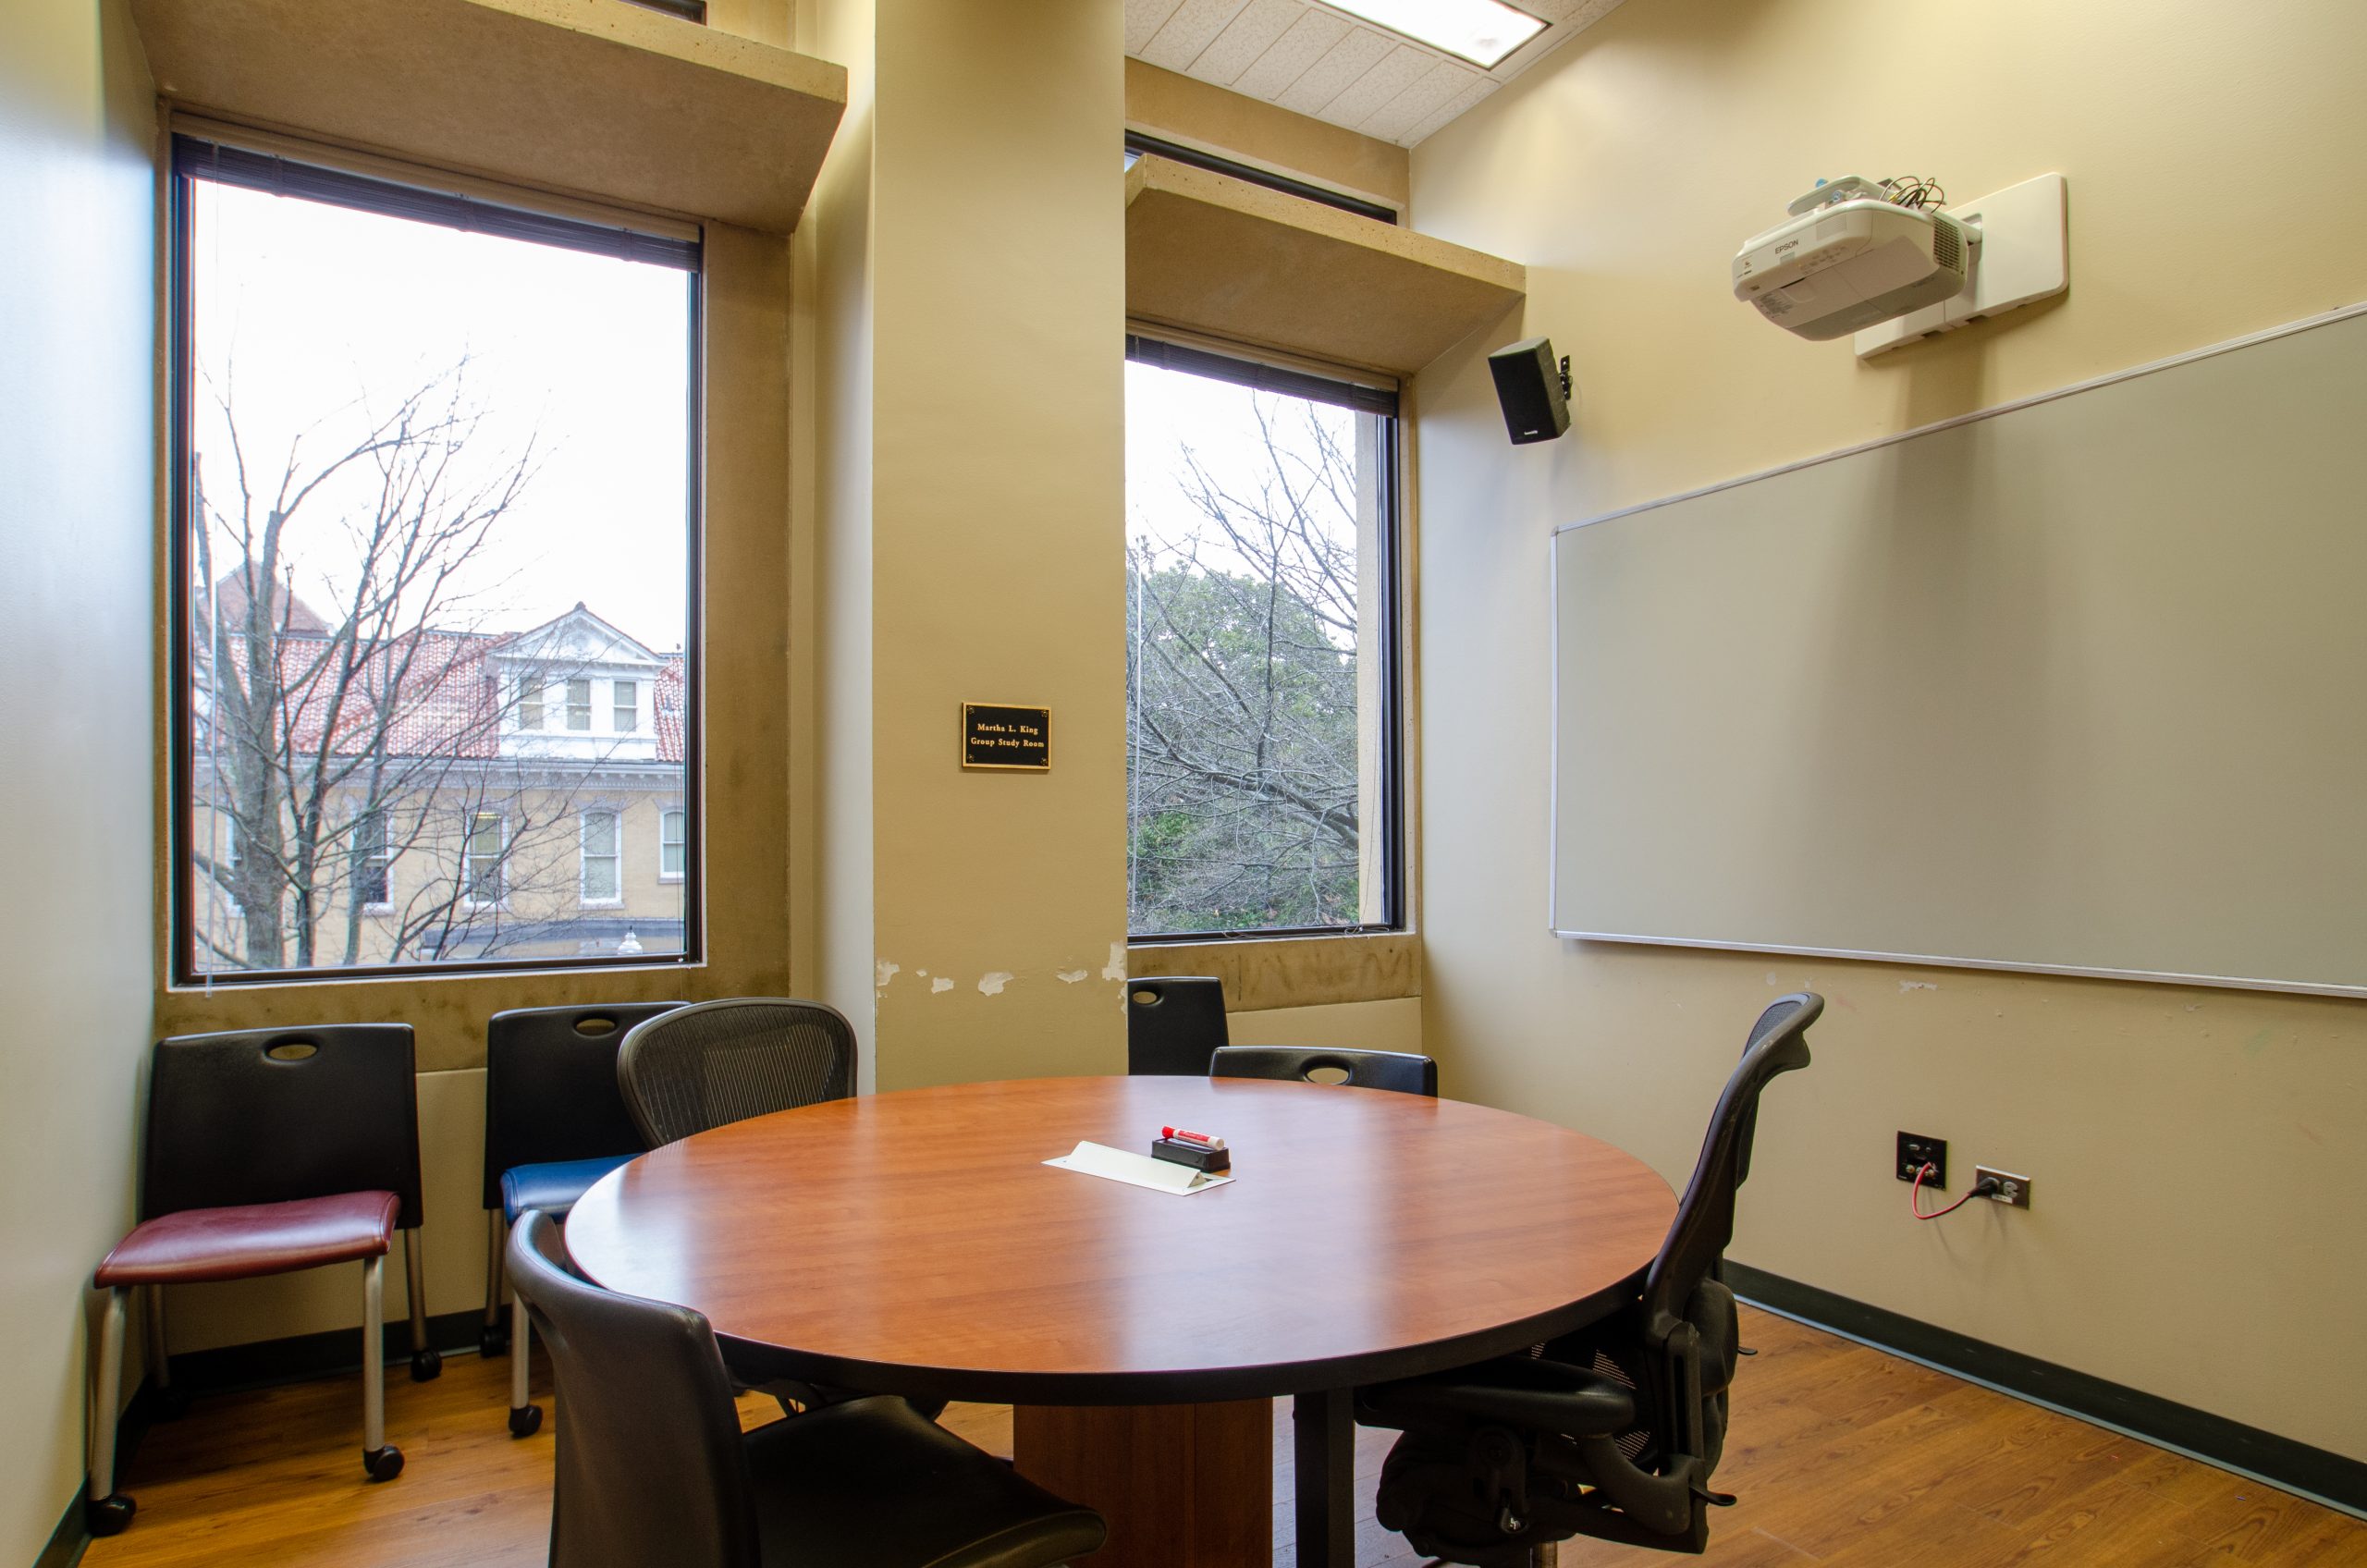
(915, 1243)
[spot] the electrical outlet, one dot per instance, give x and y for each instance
(2012, 1190)
(1916, 1151)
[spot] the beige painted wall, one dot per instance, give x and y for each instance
(2190, 1149)
(993, 244)
(77, 438)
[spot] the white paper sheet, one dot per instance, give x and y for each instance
(1138, 1170)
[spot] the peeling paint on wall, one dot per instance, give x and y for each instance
(1116, 968)
(1069, 977)
(939, 983)
(1906, 985)
(885, 972)
(991, 982)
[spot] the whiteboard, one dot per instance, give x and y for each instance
(2075, 685)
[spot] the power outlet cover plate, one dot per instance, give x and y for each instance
(2012, 1190)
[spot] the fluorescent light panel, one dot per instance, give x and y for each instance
(1482, 32)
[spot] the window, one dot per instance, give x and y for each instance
(371, 858)
(417, 508)
(601, 881)
(672, 828)
(1262, 664)
(481, 857)
(1139, 145)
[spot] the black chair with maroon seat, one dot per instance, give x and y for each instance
(269, 1150)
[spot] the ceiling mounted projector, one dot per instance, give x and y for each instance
(1854, 252)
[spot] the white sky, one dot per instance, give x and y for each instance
(1169, 411)
(313, 306)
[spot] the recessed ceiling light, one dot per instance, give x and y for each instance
(1482, 32)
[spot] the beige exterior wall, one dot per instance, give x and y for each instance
(76, 518)
(2185, 1144)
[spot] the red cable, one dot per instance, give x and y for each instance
(1915, 1201)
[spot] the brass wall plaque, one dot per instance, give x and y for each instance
(1000, 737)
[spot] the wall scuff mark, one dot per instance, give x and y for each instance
(991, 982)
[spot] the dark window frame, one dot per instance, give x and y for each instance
(1140, 146)
(1242, 371)
(192, 158)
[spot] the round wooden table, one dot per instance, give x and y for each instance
(914, 1242)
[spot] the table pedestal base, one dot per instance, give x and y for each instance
(1178, 1483)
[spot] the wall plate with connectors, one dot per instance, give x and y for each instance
(1915, 1151)
(2012, 1190)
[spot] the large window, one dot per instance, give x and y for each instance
(435, 490)
(1262, 667)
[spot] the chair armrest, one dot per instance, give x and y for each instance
(1549, 1396)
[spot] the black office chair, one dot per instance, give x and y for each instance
(712, 1063)
(1173, 1023)
(267, 1151)
(653, 1467)
(555, 1123)
(1402, 1071)
(1612, 1431)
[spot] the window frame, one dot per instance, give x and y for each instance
(624, 719)
(681, 847)
(1362, 393)
(293, 166)
(473, 821)
(379, 860)
(615, 857)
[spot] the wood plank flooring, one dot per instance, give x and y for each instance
(1840, 1455)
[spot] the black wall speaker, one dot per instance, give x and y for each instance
(1534, 390)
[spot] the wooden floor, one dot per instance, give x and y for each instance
(1840, 1455)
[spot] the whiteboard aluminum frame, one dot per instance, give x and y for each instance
(1553, 760)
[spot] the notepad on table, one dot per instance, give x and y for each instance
(1138, 1170)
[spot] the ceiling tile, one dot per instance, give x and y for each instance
(1309, 37)
(1419, 100)
(1191, 28)
(1246, 39)
(1395, 71)
(1143, 19)
(1480, 88)
(1359, 49)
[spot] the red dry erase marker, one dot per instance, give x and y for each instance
(1191, 1137)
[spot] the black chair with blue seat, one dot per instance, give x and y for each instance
(653, 1468)
(268, 1151)
(1405, 1072)
(555, 1123)
(1174, 1023)
(1612, 1431)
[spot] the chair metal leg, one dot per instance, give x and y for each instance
(525, 1417)
(425, 1365)
(171, 1403)
(108, 1512)
(380, 1459)
(492, 1339)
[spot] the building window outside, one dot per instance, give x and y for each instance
(421, 507)
(673, 827)
(372, 888)
(1262, 660)
(601, 883)
(481, 857)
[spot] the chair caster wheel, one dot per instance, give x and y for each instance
(426, 1365)
(109, 1515)
(172, 1404)
(383, 1463)
(493, 1342)
(526, 1420)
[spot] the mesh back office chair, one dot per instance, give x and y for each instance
(1173, 1023)
(712, 1063)
(1402, 1071)
(555, 1123)
(1612, 1431)
(652, 1466)
(268, 1151)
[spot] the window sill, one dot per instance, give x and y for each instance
(600, 903)
(1260, 974)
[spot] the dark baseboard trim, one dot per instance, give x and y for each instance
(67, 1541)
(2314, 1472)
(314, 1355)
